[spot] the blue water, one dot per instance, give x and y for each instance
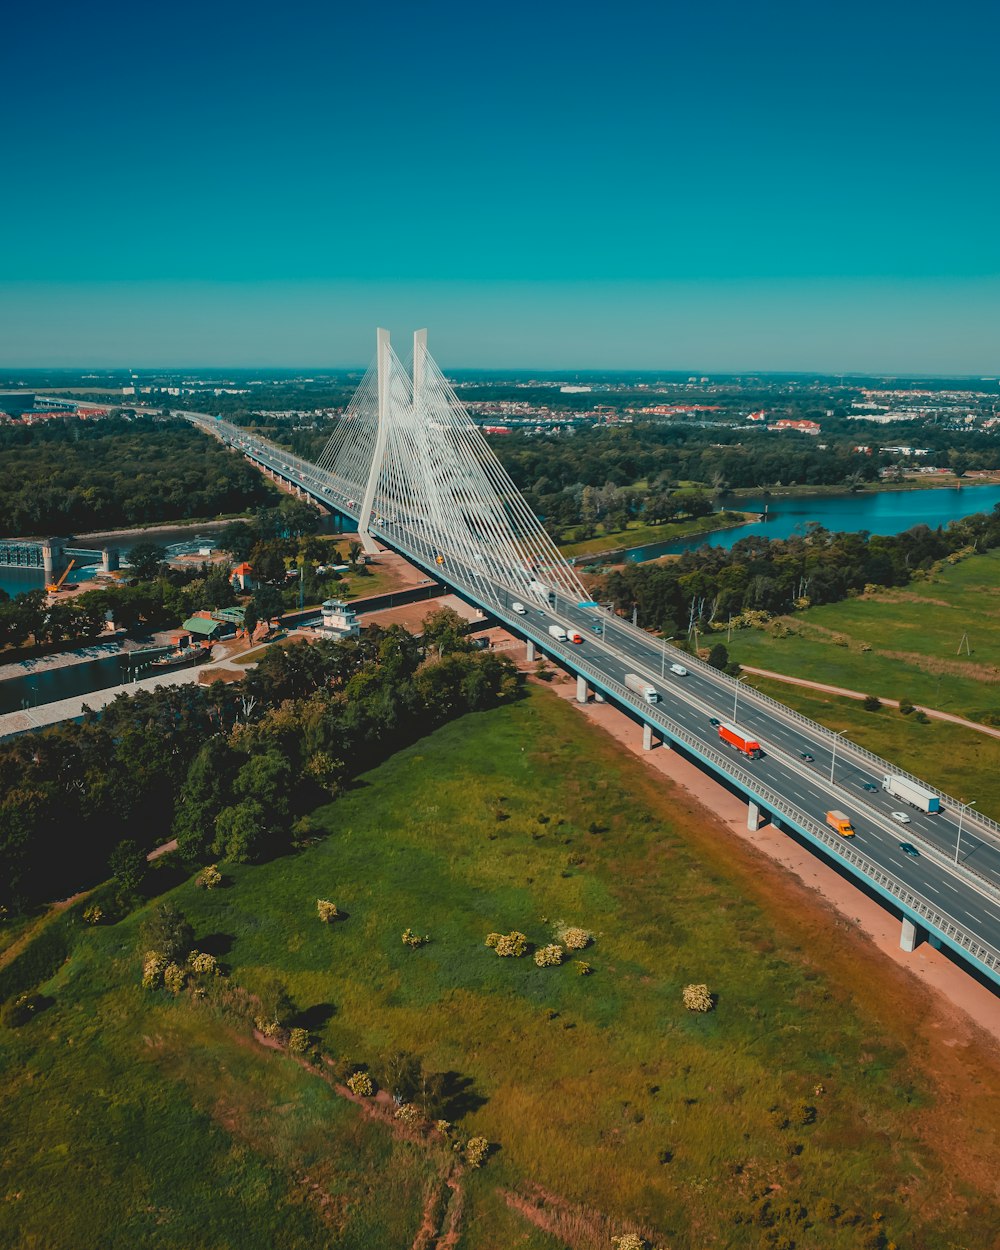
(880, 512)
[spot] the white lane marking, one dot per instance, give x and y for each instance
(928, 886)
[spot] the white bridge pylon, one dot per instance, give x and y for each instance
(411, 461)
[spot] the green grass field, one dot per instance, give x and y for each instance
(637, 535)
(132, 1118)
(914, 633)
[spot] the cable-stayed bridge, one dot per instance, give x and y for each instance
(408, 464)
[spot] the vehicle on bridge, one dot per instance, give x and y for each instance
(574, 636)
(519, 608)
(557, 632)
(734, 737)
(639, 685)
(840, 823)
(679, 669)
(910, 792)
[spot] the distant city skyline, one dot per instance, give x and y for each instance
(773, 187)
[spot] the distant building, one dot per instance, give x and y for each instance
(575, 390)
(761, 415)
(243, 579)
(339, 620)
(803, 427)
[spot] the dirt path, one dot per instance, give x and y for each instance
(32, 931)
(856, 694)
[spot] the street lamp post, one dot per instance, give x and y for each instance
(663, 657)
(833, 754)
(961, 813)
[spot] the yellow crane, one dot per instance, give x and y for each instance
(54, 587)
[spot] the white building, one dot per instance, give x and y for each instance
(339, 620)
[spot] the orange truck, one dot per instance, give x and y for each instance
(840, 823)
(749, 746)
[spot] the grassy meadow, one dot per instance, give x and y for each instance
(638, 535)
(914, 633)
(791, 1115)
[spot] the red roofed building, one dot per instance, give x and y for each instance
(803, 427)
(243, 579)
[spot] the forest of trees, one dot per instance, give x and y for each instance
(227, 768)
(777, 575)
(71, 476)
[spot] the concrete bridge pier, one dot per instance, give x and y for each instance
(52, 554)
(647, 737)
(753, 816)
(529, 651)
(581, 689)
(109, 559)
(598, 697)
(911, 935)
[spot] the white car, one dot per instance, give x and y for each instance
(901, 817)
(519, 608)
(679, 669)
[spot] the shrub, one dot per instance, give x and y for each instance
(492, 939)
(174, 978)
(414, 940)
(906, 707)
(361, 1084)
(93, 914)
(153, 966)
(476, 1151)
(298, 1041)
(443, 1127)
(209, 878)
(584, 969)
(575, 939)
(408, 1114)
(513, 944)
(203, 963)
(167, 932)
(872, 704)
(697, 998)
(922, 717)
(629, 1241)
(20, 1010)
(549, 956)
(803, 1112)
(326, 910)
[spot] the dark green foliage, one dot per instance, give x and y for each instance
(127, 865)
(718, 657)
(72, 476)
(276, 1006)
(872, 703)
(906, 707)
(166, 931)
(146, 560)
(18, 1011)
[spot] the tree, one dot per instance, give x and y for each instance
(276, 1006)
(444, 630)
(354, 550)
(237, 539)
(242, 833)
(146, 559)
(167, 932)
(128, 866)
(718, 657)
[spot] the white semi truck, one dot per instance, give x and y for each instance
(639, 685)
(917, 796)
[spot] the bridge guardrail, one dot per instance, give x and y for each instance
(978, 820)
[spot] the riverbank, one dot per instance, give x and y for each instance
(33, 665)
(917, 481)
(622, 541)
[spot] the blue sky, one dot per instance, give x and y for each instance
(780, 185)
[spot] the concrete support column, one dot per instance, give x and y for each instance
(647, 737)
(598, 697)
(529, 651)
(911, 935)
(51, 556)
(581, 689)
(109, 559)
(753, 816)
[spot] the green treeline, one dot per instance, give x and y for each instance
(71, 476)
(228, 768)
(775, 576)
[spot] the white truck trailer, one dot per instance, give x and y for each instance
(639, 685)
(917, 796)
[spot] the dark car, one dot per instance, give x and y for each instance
(809, 759)
(713, 720)
(909, 849)
(870, 786)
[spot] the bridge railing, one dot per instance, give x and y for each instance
(973, 819)
(777, 803)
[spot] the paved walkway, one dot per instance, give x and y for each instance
(856, 694)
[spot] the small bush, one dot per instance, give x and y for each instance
(630, 1241)
(803, 1112)
(203, 963)
(408, 1114)
(906, 707)
(508, 945)
(584, 969)
(922, 718)
(477, 1150)
(174, 978)
(298, 1041)
(326, 910)
(153, 966)
(549, 956)
(575, 939)
(872, 704)
(414, 940)
(361, 1084)
(697, 998)
(209, 878)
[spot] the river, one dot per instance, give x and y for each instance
(878, 512)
